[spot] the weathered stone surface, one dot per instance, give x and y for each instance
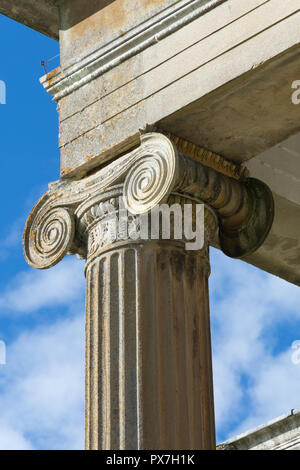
(149, 375)
(148, 355)
(80, 33)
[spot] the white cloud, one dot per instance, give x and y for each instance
(42, 383)
(275, 391)
(246, 305)
(10, 439)
(42, 388)
(32, 289)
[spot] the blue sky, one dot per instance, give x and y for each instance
(255, 316)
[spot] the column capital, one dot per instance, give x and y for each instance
(146, 177)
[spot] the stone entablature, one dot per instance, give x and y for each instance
(113, 86)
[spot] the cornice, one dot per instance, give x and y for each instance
(60, 83)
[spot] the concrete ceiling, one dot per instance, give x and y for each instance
(245, 116)
(279, 167)
(41, 15)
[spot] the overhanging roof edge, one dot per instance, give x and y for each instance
(42, 16)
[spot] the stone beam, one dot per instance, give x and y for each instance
(148, 351)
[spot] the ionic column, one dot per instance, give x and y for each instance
(148, 353)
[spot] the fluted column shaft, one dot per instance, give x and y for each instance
(148, 356)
